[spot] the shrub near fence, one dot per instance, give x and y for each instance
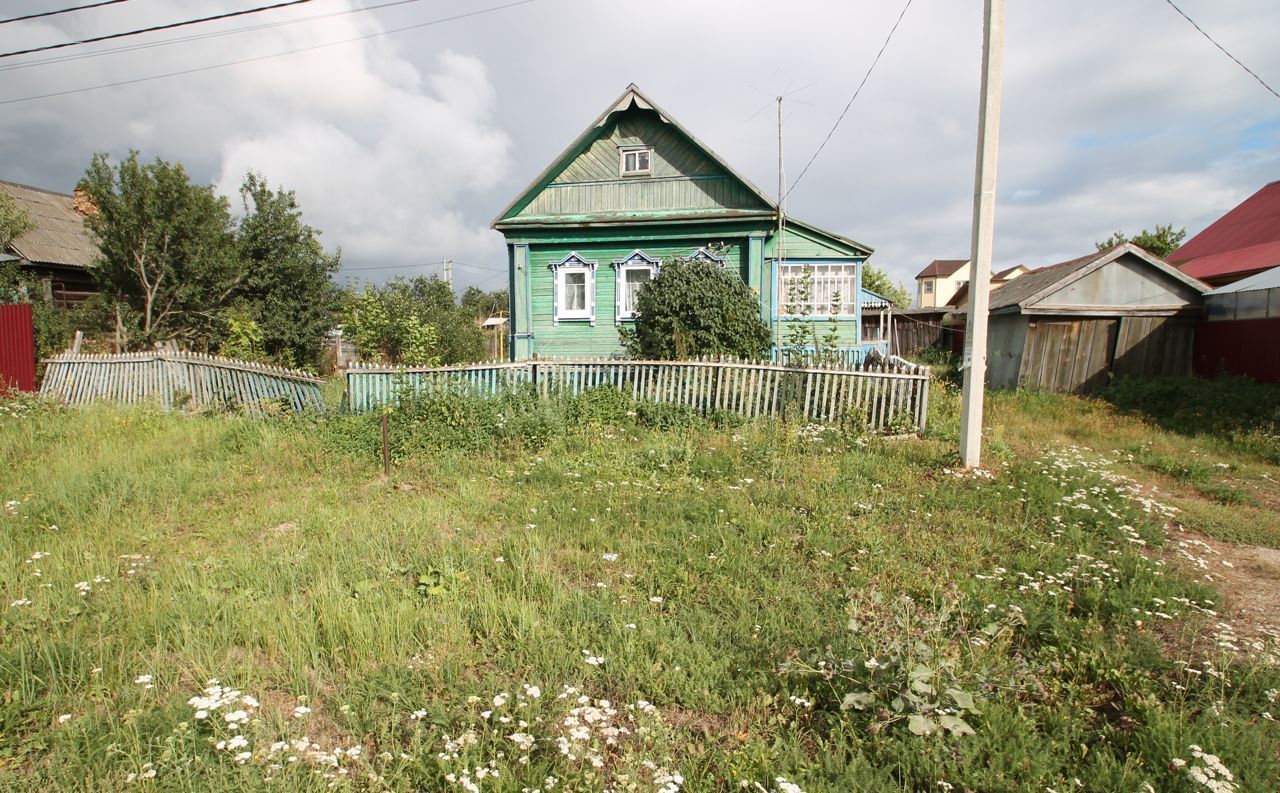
(179, 380)
(888, 395)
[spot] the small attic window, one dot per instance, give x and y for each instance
(635, 160)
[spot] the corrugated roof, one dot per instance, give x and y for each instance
(1030, 284)
(60, 236)
(1242, 260)
(1267, 279)
(1231, 238)
(941, 268)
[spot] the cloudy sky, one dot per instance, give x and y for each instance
(402, 147)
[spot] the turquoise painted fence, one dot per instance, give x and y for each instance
(890, 394)
(179, 380)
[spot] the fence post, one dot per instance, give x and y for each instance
(386, 449)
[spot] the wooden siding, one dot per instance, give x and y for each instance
(1067, 355)
(578, 338)
(673, 154)
(640, 195)
(1153, 347)
(799, 244)
(1123, 283)
(683, 177)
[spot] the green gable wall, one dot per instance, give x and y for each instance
(684, 179)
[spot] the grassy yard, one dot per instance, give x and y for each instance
(630, 600)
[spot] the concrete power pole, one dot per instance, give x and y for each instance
(984, 209)
(448, 273)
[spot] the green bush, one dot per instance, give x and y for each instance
(696, 308)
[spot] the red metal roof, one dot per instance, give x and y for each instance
(1240, 262)
(942, 268)
(1244, 240)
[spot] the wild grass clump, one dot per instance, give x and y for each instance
(1235, 410)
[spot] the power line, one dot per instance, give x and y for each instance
(844, 112)
(58, 11)
(154, 28)
(255, 59)
(79, 56)
(422, 264)
(1224, 49)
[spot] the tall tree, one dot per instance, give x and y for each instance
(1161, 242)
(286, 286)
(876, 280)
(166, 249)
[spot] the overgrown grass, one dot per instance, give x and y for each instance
(794, 602)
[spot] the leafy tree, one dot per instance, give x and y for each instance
(876, 280)
(244, 337)
(386, 324)
(14, 220)
(287, 288)
(696, 308)
(484, 304)
(460, 338)
(1161, 242)
(166, 249)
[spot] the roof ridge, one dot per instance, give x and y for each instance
(37, 189)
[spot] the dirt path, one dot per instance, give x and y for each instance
(1248, 577)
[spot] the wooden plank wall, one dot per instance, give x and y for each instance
(179, 380)
(912, 336)
(1069, 355)
(885, 396)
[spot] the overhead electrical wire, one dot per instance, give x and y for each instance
(57, 11)
(154, 28)
(1251, 72)
(80, 56)
(845, 112)
(257, 58)
(422, 264)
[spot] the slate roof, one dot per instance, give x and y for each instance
(60, 236)
(1244, 240)
(941, 268)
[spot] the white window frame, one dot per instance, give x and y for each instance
(635, 261)
(824, 284)
(704, 255)
(623, 151)
(573, 263)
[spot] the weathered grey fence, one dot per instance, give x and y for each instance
(884, 395)
(181, 379)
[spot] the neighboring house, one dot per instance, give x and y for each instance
(1241, 334)
(1068, 327)
(636, 188)
(59, 251)
(937, 283)
(1242, 242)
(997, 280)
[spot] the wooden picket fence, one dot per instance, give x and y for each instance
(891, 394)
(179, 380)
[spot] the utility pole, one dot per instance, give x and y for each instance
(780, 246)
(984, 209)
(448, 273)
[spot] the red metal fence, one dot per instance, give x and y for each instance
(17, 348)
(1249, 347)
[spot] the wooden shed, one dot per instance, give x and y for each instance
(1071, 326)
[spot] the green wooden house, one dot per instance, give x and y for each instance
(637, 188)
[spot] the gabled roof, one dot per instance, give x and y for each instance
(59, 236)
(941, 268)
(1244, 240)
(631, 97)
(1031, 288)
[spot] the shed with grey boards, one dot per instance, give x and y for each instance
(1070, 326)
